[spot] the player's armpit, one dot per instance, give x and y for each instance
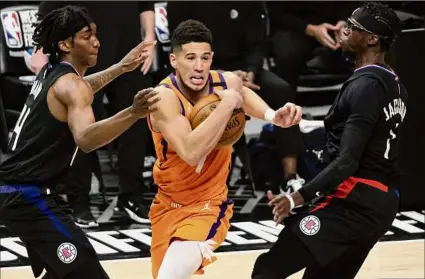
(77, 97)
(191, 145)
(253, 106)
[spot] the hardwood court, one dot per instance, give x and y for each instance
(402, 259)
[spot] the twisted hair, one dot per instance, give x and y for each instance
(190, 31)
(56, 26)
(386, 16)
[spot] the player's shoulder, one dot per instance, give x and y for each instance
(165, 92)
(232, 80)
(70, 86)
(168, 101)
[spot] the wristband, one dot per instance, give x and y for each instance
(291, 201)
(269, 115)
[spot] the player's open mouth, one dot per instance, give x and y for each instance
(198, 80)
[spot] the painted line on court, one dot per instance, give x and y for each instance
(218, 253)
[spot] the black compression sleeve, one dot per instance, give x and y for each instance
(364, 101)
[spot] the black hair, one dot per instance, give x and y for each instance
(386, 16)
(58, 25)
(190, 31)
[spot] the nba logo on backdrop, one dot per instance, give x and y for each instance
(12, 29)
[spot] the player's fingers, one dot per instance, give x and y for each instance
(284, 110)
(147, 64)
(152, 101)
(149, 96)
(270, 195)
(251, 85)
(298, 115)
(292, 111)
(145, 44)
(152, 109)
(141, 95)
(280, 219)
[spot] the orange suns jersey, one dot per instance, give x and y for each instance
(183, 183)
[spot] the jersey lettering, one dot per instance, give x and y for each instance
(35, 91)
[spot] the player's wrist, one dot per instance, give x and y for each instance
(297, 198)
(269, 115)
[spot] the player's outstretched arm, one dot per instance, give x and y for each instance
(192, 145)
(89, 135)
(287, 116)
(130, 62)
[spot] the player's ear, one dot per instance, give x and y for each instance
(65, 45)
(372, 40)
(173, 59)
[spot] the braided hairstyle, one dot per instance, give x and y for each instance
(386, 16)
(190, 31)
(58, 25)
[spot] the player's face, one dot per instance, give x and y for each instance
(352, 39)
(192, 64)
(85, 46)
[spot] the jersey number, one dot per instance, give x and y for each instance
(391, 137)
(35, 90)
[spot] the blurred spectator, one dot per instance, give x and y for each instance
(298, 28)
(239, 30)
(119, 30)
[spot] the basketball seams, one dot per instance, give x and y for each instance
(207, 104)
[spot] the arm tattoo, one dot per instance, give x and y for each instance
(99, 80)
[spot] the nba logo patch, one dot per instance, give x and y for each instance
(161, 24)
(67, 252)
(310, 225)
(12, 29)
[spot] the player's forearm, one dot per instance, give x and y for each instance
(353, 142)
(100, 79)
(202, 140)
(254, 106)
(103, 132)
(147, 21)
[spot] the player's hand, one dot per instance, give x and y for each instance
(281, 206)
(144, 102)
(338, 33)
(147, 64)
(247, 79)
(288, 115)
(233, 97)
(35, 61)
(136, 56)
(321, 34)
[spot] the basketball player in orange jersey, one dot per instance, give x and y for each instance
(191, 212)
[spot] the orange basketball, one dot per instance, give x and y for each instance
(235, 126)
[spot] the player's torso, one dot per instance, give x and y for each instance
(380, 155)
(41, 147)
(175, 178)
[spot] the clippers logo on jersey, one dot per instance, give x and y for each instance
(12, 29)
(67, 252)
(310, 225)
(161, 23)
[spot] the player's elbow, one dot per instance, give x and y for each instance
(192, 159)
(84, 145)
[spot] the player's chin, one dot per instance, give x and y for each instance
(92, 60)
(197, 87)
